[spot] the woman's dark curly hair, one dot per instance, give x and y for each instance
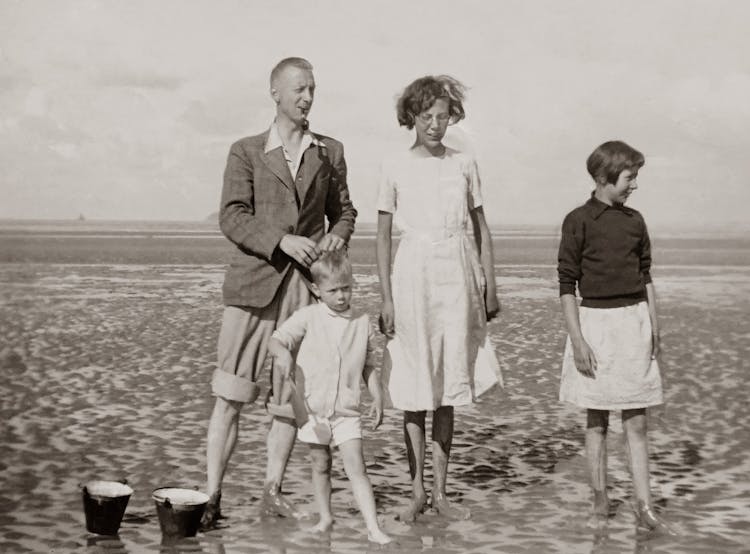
(422, 94)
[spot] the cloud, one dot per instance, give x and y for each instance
(127, 78)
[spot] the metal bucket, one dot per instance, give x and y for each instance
(179, 510)
(104, 504)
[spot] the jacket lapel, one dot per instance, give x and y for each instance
(277, 164)
(311, 164)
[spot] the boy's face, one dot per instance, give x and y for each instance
(619, 192)
(294, 91)
(335, 291)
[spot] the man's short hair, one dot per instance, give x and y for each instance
(299, 63)
(334, 263)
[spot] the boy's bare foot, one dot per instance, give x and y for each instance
(416, 506)
(275, 504)
(445, 508)
(323, 526)
(379, 537)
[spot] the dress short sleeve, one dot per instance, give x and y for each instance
(386, 201)
(475, 184)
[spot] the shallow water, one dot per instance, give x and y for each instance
(106, 374)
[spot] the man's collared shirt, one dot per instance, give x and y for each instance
(274, 141)
(606, 251)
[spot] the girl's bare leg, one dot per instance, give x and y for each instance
(636, 439)
(442, 438)
(597, 423)
(354, 465)
(414, 435)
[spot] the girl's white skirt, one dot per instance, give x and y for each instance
(626, 377)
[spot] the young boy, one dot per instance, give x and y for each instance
(335, 354)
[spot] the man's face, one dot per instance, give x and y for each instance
(293, 93)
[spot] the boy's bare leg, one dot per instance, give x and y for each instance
(221, 439)
(442, 438)
(320, 459)
(414, 435)
(597, 423)
(354, 464)
(279, 444)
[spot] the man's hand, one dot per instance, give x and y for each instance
(299, 248)
(585, 359)
(331, 242)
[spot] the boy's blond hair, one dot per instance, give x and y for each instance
(332, 263)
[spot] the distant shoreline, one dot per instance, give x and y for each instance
(187, 247)
(364, 230)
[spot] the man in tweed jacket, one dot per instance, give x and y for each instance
(279, 189)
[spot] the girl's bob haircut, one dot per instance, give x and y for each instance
(422, 94)
(612, 158)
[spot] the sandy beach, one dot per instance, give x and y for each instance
(106, 370)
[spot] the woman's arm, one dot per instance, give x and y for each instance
(483, 238)
(383, 254)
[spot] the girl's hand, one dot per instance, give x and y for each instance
(585, 359)
(386, 320)
(655, 344)
(376, 412)
(491, 305)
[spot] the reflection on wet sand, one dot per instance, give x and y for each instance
(105, 375)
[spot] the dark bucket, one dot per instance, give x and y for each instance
(104, 504)
(179, 511)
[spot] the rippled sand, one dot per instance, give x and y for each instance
(105, 374)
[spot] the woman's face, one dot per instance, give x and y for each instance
(432, 123)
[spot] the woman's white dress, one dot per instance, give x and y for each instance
(440, 355)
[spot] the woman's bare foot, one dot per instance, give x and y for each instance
(416, 506)
(323, 526)
(379, 537)
(600, 511)
(445, 508)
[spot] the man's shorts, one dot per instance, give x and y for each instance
(244, 335)
(330, 432)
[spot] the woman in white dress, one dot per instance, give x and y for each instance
(441, 292)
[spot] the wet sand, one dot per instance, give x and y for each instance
(106, 374)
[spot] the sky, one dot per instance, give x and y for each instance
(126, 110)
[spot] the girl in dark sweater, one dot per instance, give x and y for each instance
(610, 360)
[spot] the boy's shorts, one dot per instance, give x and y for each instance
(244, 335)
(330, 432)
